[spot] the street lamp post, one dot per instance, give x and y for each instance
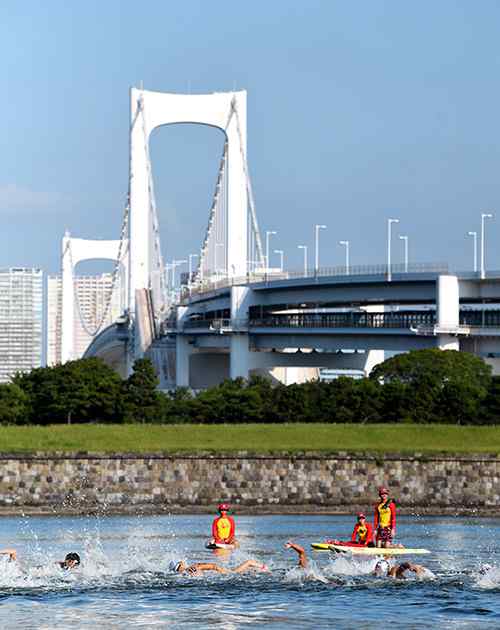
(474, 236)
(304, 247)
(346, 245)
(317, 228)
(281, 253)
(484, 215)
(268, 234)
(405, 239)
(389, 235)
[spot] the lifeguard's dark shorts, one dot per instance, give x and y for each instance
(384, 534)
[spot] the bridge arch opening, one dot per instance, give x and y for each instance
(185, 160)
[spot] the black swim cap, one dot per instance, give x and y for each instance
(72, 556)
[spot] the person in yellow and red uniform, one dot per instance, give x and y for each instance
(223, 527)
(385, 519)
(363, 532)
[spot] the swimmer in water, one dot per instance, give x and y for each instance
(198, 568)
(71, 561)
(398, 571)
(9, 552)
(303, 562)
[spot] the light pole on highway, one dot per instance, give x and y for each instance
(474, 236)
(346, 245)
(405, 239)
(317, 228)
(281, 253)
(389, 238)
(304, 247)
(484, 215)
(268, 234)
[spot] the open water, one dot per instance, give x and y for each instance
(124, 580)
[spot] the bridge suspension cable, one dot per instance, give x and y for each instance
(255, 250)
(212, 262)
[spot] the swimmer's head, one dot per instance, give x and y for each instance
(381, 568)
(484, 568)
(176, 566)
(71, 561)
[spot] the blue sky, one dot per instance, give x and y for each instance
(357, 111)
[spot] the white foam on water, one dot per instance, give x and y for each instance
(348, 565)
(488, 578)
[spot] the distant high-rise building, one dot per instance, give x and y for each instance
(20, 320)
(92, 294)
(54, 312)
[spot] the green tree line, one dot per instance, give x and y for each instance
(424, 386)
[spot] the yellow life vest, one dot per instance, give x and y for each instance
(223, 528)
(384, 514)
(361, 532)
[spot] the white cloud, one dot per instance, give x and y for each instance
(14, 198)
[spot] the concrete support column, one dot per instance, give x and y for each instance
(447, 302)
(448, 342)
(448, 309)
(373, 358)
(183, 351)
(239, 363)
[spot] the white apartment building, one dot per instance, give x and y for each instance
(21, 341)
(92, 293)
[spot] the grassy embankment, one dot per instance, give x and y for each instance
(257, 438)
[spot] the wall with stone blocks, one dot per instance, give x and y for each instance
(340, 481)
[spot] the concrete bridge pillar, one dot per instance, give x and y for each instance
(448, 308)
(373, 358)
(239, 362)
(183, 350)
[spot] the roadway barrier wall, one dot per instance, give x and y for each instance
(85, 482)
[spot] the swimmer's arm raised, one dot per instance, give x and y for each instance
(300, 550)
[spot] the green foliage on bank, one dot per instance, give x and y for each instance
(421, 387)
(251, 438)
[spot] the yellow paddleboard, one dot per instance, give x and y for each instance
(377, 551)
(321, 546)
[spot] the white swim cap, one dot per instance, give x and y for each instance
(382, 566)
(174, 565)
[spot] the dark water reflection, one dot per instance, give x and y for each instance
(124, 580)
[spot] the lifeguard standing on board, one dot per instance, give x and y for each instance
(223, 527)
(385, 519)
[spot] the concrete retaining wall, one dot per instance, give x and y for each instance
(341, 482)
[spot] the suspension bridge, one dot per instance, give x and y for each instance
(236, 315)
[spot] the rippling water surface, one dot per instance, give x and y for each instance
(124, 580)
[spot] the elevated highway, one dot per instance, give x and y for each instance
(322, 321)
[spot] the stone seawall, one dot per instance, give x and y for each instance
(339, 482)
